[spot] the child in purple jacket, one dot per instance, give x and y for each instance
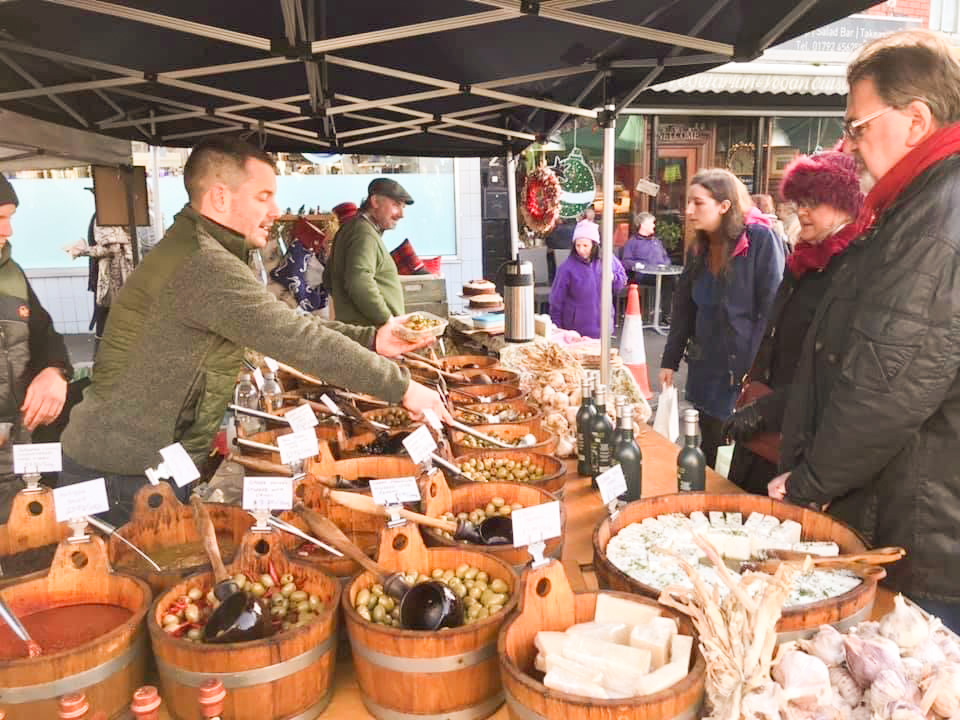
(575, 296)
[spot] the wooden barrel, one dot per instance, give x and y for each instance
(29, 539)
(554, 470)
(327, 431)
(438, 498)
(546, 441)
(288, 675)
(454, 363)
(498, 375)
(382, 414)
(548, 603)
(107, 669)
(533, 418)
(798, 621)
(159, 522)
(412, 674)
(496, 392)
(351, 447)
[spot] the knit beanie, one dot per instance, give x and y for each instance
(587, 229)
(7, 194)
(828, 177)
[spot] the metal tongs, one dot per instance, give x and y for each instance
(108, 530)
(297, 532)
(258, 413)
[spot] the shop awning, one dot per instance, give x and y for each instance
(766, 78)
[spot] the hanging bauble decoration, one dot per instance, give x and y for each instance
(541, 200)
(578, 187)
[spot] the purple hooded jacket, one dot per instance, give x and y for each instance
(575, 296)
(644, 249)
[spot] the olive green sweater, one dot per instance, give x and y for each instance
(361, 276)
(173, 347)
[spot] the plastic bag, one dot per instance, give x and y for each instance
(667, 421)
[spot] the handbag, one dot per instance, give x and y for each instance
(763, 444)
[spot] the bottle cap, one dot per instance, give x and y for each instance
(246, 377)
(586, 384)
(600, 394)
(691, 420)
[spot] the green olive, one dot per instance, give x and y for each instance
(363, 597)
(498, 585)
(288, 589)
(191, 613)
(194, 634)
(257, 589)
(364, 612)
(171, 619)
(266, 581)
(195, 594)
(298, 596)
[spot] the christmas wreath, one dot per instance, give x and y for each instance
(541, 200)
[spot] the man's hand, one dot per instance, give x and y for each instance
(44, 399)
(418, 398)
(777, 488)
(389, 344)
(666, 378)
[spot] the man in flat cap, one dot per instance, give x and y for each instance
(33, 380)
(361, 276)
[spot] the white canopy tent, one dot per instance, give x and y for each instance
(30, 144)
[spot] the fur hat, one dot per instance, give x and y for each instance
(830, 177)
(587, 229)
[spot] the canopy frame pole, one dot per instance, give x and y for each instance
(512, 204)
(439, 130)
(389, 136)
(594, 81)
(395, 100)
(608, 121)
(19, 70)
(799, 10)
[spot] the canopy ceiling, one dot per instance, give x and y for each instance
(432, 77)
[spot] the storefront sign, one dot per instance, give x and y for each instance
(682, 133)
(846, 36)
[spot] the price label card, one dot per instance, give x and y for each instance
(298, 446)
(536, 524)
(419, 444)
(272, 365)
(39, 457)
(76, 501)
(390, 491)
(258, 378)
(431, 417)
(267, 493)
(179, 464)
(612, 484)
(331, 405)
(302, 418)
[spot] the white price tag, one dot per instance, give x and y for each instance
(272, 365)
(419, 444)
(536, 523)
(391, 491)
(76, 501)
(267, 493)
(179, 464)
(298, 446)
(301, 418)
(612, 484)
(431, 417)
(258, 378)
(331, 405)
(37, 458)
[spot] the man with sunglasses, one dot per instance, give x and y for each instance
(872, 428)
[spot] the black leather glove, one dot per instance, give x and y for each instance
(743, 424)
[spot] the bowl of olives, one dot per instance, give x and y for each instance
(519, 466)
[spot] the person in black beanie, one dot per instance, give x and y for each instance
(33, 381)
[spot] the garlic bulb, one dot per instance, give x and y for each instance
(915, 669)
(763, 705)
(903, 710)
(927, 652)
(867, 658)
(866, 629)
(943, 691)
(565, 448)
(802, 676)
(827, 645)
(888, 687)
(906, 625)
(556, 380)
(845, 685)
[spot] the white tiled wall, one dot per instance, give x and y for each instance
(64, 294)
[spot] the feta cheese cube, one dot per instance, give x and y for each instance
(717, 519)
(606, 657)
(573, 684)
(823, 549)
(698, 520)
(615, 610)
(559, 662)
(655, 638)
(754, 522)
(662, 678)
(618, 633)
(548, 642)
(734, 519)
(738, 546)
(789, 532)
(681, 649)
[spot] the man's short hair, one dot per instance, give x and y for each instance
(220, 159)
(912, 65)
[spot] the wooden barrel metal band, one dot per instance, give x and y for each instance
(525, 713)
(859, 616)
(445, 663)
(77, 681)
(314, 711)
(480, 710)
(247, 678)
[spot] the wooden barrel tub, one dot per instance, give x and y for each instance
(534, 419)
(548, 603)
(842, 611)
(413, 674)
(497, 375)
(546, 440)
(554, 469)
(455, 363)
(30, 536)
(288, 675)
(108, 668)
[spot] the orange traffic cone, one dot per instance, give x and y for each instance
(632, 348)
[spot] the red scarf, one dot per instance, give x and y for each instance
(807, 256)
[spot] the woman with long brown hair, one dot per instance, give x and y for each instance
(720, 306)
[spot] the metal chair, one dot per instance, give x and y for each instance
(560, 256)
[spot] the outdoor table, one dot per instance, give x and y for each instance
(659, 271)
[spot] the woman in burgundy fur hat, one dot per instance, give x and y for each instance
(826, 190)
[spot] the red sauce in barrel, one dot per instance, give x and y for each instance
(62, 628)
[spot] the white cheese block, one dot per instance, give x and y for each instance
(622, 682)
(734, 519)
(698, 520)
(738, 546)
(717, 519)
(569, 683)
(759, 543)
(754, 522)
(662, 678)
(614, 610)
(769, 524)
(823, 549)
(618, 633)
(548, 642)
(559, 662)
(655, 638)
(789, 531)
(717, 538)
(681, 648)
(540, 662)
(606, 657)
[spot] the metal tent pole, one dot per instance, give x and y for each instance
(512, 203)
(609, 122)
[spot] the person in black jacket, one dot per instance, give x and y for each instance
(872, 426)
(826, 190)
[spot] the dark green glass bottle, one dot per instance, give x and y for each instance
(601, 435)
(584, 414)
(627, 454)
(691, 462)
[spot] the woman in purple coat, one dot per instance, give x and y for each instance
(575, 296)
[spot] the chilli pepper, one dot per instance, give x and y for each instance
(273, 572)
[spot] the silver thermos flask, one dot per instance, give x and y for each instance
(518, 301)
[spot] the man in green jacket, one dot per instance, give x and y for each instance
(361, 276)
(176, 333)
